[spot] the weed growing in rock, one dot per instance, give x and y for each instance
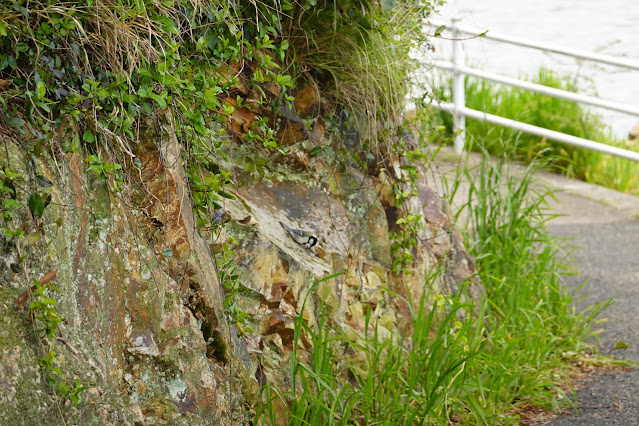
(44, 313)
(38, 297)
(396, 380)
(230, 279)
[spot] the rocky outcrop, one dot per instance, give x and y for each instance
(353, 215)
(145, 328)
(136, 284)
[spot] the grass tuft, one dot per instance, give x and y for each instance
(533, 329)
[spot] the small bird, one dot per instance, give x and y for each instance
(217, 216)
(303, 238)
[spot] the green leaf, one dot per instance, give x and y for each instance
(440, 30)
(64, 389)
(3, 29)
(11, 174)
(16, 122)
(211, 38)
(75, 398)
(226, 195)
(110, 167)
(16, 233)
(168, 24)
(88, 136)
(197, 121)
(167, 252)
(43, 181)
(621, 345)
(31, 239)
(22, 47)
(201, 42)
(36, 204)
(49, 301)
(167, 79)
(159, 99)
(10, 203)
(228, 109)
(329, 277)
(41, 90)
(212, 92)
(43, 106)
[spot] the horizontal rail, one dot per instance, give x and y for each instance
(538, 88)
(538, 131)
(548, 47)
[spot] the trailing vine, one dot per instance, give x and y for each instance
(409, 225)
(43, 309)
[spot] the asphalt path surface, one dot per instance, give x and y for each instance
(603, 227)
(607, 257)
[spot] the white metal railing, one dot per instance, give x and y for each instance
(460, 111)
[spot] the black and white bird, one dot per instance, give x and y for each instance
(303, 238)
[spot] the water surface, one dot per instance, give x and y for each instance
(608, 27)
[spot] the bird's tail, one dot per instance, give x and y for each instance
(285, 227)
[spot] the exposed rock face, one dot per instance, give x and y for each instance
(352, 215)
(132, 313)
(152, 338)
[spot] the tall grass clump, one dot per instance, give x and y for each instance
(551, 113)
(359, 51)
(473, 369)
(529, 319)
(397, 380)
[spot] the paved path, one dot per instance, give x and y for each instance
(608, 260)
(604, 225)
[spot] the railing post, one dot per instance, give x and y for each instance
(459, 98)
